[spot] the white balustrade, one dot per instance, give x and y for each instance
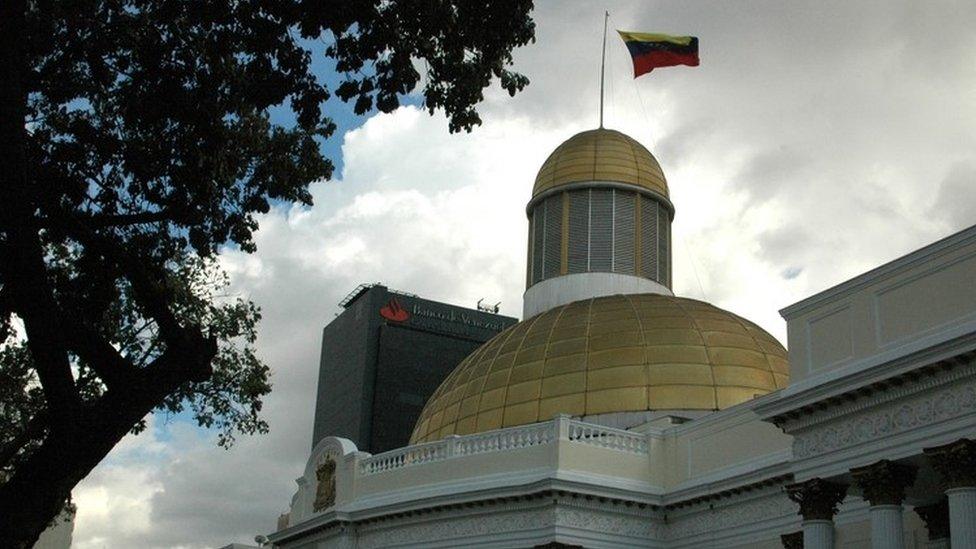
(512, 438)
(607, 437)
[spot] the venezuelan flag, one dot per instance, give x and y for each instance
(650, 51)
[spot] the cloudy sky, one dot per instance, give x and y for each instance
(815, 141)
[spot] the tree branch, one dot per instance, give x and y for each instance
(101, 221)
(33, 428)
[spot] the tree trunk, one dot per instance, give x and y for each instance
(32, 498)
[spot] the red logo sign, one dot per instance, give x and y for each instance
(394, 311)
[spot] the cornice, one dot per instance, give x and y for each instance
(857, 387)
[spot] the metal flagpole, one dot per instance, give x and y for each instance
(603, 63)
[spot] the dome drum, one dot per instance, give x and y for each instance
(599, 230)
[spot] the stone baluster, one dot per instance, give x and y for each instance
(883, 485)
(793, 540)
(818, 500)
(956, 462)
(936, 519)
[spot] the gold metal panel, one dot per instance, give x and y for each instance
(531, 354)
(503, 361)
(532, 370)
(737, 357)
(562, 332)
(614, 340)
(450, 414)
(778, 364)
(466, 426)
(679, 374)
(494, 398)
(421, 429)
(480, 369)
(681, 397)
(615, 357)
(782, 380)
(673, 337)
(599, 307)
(672, 354)
(745, 377)
(613, 326)
(615, 400)
(469, 406)
(492, 419)
(708, 325)
(520, 414)
(455, 395)
(657, 322)
(730, 396)
(599, 358)
(564, 364)
(435, 420)
(726, 339)
(574, 404)
(567, 347)
(521, 392)
(771, 347)
(610, 378)
(603, 155)
(535, 338)
(563, 384)
(475, 386)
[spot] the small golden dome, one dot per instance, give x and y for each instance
(601, 155)
(620, 353)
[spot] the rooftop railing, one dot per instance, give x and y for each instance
(511, 438)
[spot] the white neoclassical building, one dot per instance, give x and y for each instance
(619, 415)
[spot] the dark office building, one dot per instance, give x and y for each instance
(383, 356)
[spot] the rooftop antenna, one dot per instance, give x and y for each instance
(603, 63)
(488, 308)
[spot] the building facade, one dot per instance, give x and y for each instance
(383, 356)
(620, 415)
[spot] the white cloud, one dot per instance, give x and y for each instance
(813, 143)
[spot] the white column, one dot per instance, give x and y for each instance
(962, 517)
(818, 534)
(887, 529)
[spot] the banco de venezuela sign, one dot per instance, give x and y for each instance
(456, 317)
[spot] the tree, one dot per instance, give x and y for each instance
(137, 141)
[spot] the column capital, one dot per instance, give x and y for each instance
(955, 462)
(818, 498)
(793, 540)
(884, 482)
(936, 518)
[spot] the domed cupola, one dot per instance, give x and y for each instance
(599, 223)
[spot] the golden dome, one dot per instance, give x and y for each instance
(601, 155)
(618, 353)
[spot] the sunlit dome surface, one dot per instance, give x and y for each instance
(601, 155)
(621, 353)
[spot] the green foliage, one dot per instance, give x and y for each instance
(137, 142)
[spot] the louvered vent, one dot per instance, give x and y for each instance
(664, 246)
(579, 231)
(554, 228)
(649, 214)
(623, 232)
(601, 229)
(538, 238)
(600, 234)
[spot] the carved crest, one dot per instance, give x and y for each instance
(325, 491)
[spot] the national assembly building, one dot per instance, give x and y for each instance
(618, 414)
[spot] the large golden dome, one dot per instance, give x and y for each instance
(601, 155)
(618, 353)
